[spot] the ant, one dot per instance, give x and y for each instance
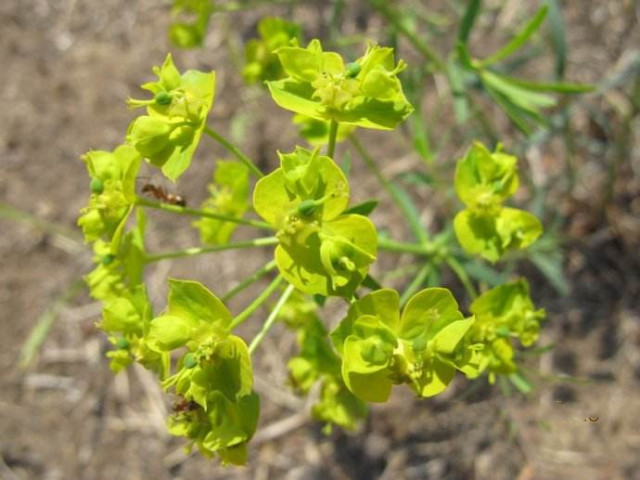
(183, 405)
(161, 194)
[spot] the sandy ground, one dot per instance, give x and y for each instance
(66, 68)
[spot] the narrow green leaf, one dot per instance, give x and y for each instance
(364, 208)
(468, 20)
(456, 83)
(43, 326)
(409, 209)
(558, 87)
(550, 265)
(558, 36)
(519, 39)
(521, 383)
(371, 283)
(421, 141)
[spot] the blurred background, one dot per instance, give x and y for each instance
(66, 69)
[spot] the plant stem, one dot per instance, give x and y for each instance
(257, 275)
(190, 252)
(393, 246)
(415, 226)
(333, 136)
(260, 299)
(271, 319)
(462, 276)
(167, 207)
(415, 284)
(383, 7)
(238, 7)
(233, 149)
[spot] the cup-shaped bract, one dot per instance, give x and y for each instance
(502, 313)
(113, 177)
(321, 250)
(366, 93)
(380, 348)
(483, 179)
(262, 63)
(229, 194)
(176, 117)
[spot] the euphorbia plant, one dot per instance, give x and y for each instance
(323, 247)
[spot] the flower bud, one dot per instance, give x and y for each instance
(122, 344)
(108, 259)
(96, 186)
(190, 360)
(163, 98)
(352, 70)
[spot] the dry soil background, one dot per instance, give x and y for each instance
(66, 67)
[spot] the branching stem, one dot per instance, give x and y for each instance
(190, 252)
(194, 212)
(260, 299)
(235, 150)
(271, 319)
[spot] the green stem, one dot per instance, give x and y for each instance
(415, 284)
(257, 275)
(333, 136)
(233, 149)
(415, 226)
(271, 319)
(238, 7)
(266, 293)
(167, 207)
(462, 276)
(190, 252)
(393, 246)
(383, 7)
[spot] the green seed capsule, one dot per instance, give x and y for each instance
(123, 344)
(163, 98)
(108, 259)
(352, 70)
(503, 331)
(307, 208)
(96, 186)
(190, 360)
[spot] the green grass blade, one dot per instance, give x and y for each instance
(519, 39)
(468, 20)
(558, 37)
(39, 333)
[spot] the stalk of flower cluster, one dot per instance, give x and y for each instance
(195, 212)
(235, 150)
(266, 293)
(271, 319)
(190, 252)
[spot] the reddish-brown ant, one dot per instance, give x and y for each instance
(183, 405)
(161, 194)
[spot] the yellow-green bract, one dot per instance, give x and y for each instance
(502, 313)
(321, 250)
(380, 348)
(169, 134)
(319, 85)
(261, 62)
(483, 181)
(215, 374)
(229, 194)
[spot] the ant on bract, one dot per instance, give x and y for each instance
(161, 194)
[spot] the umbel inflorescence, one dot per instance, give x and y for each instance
(323, 247)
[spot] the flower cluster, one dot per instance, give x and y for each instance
(169, 134)
(484, 180)
(321, 249)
